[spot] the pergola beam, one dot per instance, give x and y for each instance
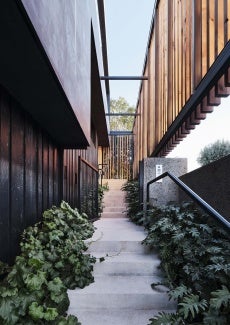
(124, 78)
(122, 114)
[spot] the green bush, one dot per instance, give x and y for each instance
(213, 151)
(101, 190)
(194, 253)
(52, 259)
(134, 211)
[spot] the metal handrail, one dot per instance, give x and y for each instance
(202, 203)
(94, 170)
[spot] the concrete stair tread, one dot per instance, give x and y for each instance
(132, 301)
(134, 284)
(130, 258)
(117, 247)
(116, 317)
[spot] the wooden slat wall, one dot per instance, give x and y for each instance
(70, 171)
(116, 158)
(186, 38)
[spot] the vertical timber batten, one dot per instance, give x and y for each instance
(185, 41)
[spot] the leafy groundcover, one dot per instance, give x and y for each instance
(52, 259)
(195, 257)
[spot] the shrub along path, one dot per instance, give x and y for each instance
(124, 272)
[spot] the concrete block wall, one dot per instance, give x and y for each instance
(166, 191)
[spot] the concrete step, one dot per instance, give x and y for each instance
(127, 264)
(114, 183)
(116, 317)
(106, 214)
(113, 197)
(121, 292)
(117, 247)
(114, 202)
(114, 209)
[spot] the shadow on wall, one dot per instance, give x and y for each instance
(212, 183)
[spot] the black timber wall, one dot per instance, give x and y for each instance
(34, 173)
(30, 174)
(212, 183)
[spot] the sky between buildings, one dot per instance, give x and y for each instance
(128, 25)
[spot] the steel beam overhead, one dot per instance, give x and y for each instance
(124, 78)
(122, 114)
(121, 133)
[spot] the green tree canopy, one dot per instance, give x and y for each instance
(121, 123)
(213, 151)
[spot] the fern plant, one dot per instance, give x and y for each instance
(195, 258)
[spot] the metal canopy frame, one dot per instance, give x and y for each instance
(122, 114)
(124, 78)
(121, 133)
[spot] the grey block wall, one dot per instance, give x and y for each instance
(166, 191)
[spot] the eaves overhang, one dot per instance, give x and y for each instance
(97, 103)
(26, 72)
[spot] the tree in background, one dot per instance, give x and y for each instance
(213, 151)
(121, 123)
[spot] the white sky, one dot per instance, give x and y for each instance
(127, 25)
(216, 126)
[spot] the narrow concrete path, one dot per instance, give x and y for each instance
(121, 293)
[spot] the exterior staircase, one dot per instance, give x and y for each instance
(121, 293)
(114, 200)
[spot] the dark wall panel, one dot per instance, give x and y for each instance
(36, 174)
(31, 164)
(45, 170)
(30, 174)
(17, 177)
(5, 180)
(39, 174)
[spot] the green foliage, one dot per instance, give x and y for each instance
(213, 152)
(101, 191)
(121, 123)
(195, 258)
(52, 259)
(167, 319)
(132, 199)
(4, 270)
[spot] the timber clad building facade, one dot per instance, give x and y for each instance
(187, 65)
(52, 108)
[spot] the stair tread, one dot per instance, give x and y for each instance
(117, 316)
(134, 284)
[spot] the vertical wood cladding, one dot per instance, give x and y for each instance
(70, 171)
(186, 38)
(30, 170)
